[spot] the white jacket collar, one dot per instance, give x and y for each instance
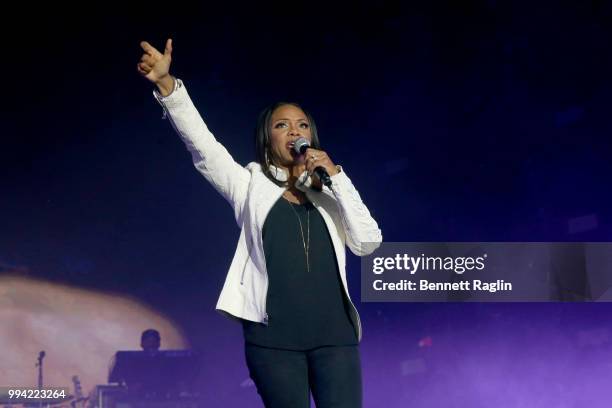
(303, 182)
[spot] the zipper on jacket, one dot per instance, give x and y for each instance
(164, 109)
(359, 334)
(245, 265)
(177, 84)
(242, 275)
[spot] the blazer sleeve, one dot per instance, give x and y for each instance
(209, 156)
(362, 233)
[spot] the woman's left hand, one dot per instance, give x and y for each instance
(318, 158)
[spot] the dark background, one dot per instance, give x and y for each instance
(456, 121)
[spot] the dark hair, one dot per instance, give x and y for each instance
(150, 333)
(262, 137)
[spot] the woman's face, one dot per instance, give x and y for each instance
(288, 123)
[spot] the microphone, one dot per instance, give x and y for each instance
(300, 146)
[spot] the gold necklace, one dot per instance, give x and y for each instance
(306, 245)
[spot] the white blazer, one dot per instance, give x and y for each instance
(251, 195)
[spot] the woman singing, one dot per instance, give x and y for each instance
(287, 281)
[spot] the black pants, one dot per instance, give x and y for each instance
(284, 377)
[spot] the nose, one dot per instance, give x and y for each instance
(293, 131)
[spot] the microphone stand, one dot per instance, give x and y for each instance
(39, 364)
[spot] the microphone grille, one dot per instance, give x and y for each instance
(300, 145)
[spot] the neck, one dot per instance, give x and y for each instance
(294, 171)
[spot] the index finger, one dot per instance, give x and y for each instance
(148, 48)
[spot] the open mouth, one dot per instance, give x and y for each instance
(290, 146)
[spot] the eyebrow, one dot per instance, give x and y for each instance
(304, 119)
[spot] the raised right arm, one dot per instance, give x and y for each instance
(209, 156)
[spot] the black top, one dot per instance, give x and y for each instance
(306, 308)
